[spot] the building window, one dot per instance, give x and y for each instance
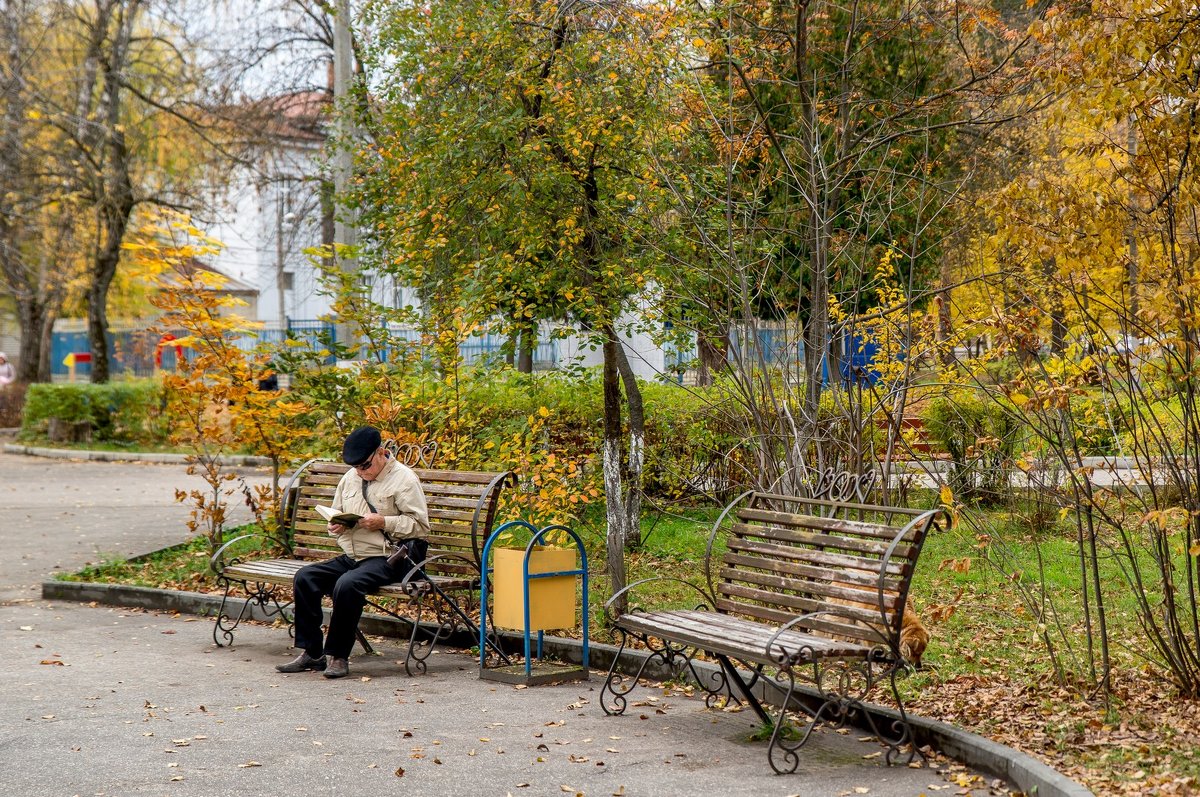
(289, 281)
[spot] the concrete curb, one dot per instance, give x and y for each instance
(128, 456)
(1023, 771)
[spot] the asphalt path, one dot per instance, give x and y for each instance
(107, 701)
(63, 514)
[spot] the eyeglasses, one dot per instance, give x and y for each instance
(366, 463)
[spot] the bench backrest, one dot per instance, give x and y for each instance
(462, 509)
(844, 569)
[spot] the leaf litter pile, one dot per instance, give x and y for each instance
(1149, 744)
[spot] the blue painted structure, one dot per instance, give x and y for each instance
(538, 535)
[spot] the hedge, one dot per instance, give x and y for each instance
(118, 412)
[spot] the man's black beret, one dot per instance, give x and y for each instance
(360, 445)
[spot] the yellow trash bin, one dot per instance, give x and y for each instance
(552, 601)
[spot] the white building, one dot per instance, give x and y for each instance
(268, 214)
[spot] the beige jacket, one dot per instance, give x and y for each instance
(396, 494)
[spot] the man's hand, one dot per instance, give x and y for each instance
(373, 522)
(335, 529)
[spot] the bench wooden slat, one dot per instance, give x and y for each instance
(464, 476)
(821, 558)
(820, 541)
(743, 641)
(466, 504)
(439, 489)
(748, 636)
(464, 518)
(895, 514)
(841, 526)
(817, 587)
(828, 625)
(753, 558)
(282, 571)
(796, 603)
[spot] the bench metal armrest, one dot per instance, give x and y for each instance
(217, 562)
(485, 508)
(418, 569)
(608, 605)
(928, 519)
(776, 651)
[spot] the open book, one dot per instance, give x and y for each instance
(331, 515)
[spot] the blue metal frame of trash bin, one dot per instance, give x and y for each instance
(483, 587)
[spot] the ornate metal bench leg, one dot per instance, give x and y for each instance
(782, 756)
(674, 657)
(616, 685)
(783, 751)
(220, 630)
(264, 596)
(418, 650)
(414, 660)
(902, 730)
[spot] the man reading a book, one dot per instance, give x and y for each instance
(380, 548)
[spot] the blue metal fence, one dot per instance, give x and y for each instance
(474, 350)
(782, 346)
(132, 351)
(140, 351)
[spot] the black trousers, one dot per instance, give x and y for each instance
(347, 582)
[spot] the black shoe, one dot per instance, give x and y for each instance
(301, 663)
(338, 668)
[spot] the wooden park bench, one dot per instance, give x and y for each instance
(804, 589)
(462, 510)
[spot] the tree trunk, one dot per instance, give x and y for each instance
(30, 314)
(617, 521)
(817, 206)
(1056, 311)
(526, 340)
(116, 206)
(713, 354)
(104, 267)
(631, 500)
(45, 339)
(816, 336)
(622, 475)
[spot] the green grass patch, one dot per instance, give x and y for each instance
(184, 566)
(764, 731)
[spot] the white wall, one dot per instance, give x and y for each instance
(646, 357)
(273, 214)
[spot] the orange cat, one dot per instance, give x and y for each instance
(913, 635)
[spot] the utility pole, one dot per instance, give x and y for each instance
(284, 225)
(344, 233)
